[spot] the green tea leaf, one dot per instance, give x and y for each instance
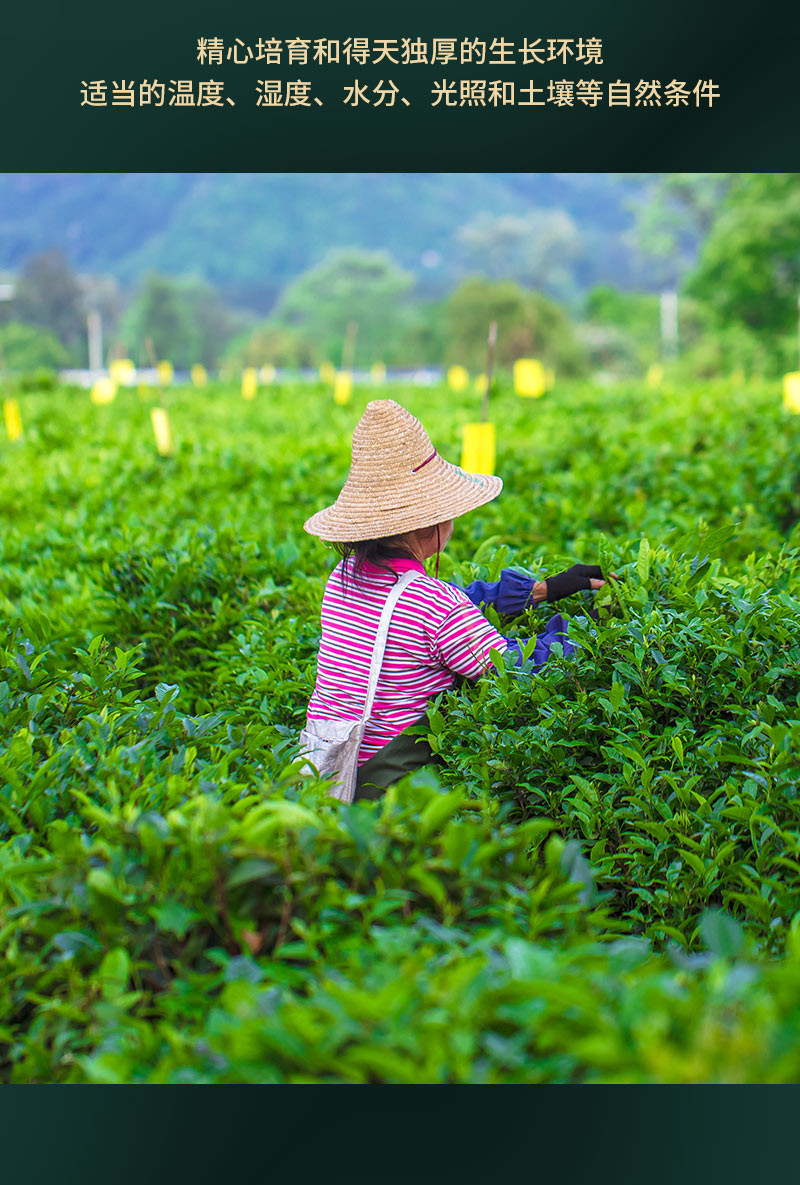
(721, 933)
(113, 973)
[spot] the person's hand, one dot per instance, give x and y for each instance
(579, 576)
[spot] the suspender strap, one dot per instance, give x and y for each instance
(380, 642)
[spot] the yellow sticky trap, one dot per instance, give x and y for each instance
(13, 419)
(103, 391)
(478, 452)
(480, 383)
(343, 387)
(655, 375)
(378, 372)
(198, 374)
(249, 382)
(267, 374)
(162, 431)
(530, 379)
(166, 373)
(123, 372)
(327, 372)
(791, 391)
(458, 378)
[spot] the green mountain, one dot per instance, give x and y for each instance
(249, 233)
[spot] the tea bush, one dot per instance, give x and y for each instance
(667, 746)
(599, 882)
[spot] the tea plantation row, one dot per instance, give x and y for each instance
(600, 882)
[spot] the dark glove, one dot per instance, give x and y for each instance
(575, 578)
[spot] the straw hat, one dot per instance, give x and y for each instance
(397, 481)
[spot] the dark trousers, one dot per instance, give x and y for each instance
(402, 755)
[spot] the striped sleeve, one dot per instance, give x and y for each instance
(463, 640)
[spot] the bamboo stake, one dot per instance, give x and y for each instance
(490, 345)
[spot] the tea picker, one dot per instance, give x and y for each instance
(394, 637)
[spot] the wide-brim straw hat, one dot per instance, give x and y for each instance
(397, 481)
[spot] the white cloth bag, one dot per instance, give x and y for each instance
(331, 747)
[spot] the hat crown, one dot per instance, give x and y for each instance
(388, 444)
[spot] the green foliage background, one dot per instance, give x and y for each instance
(288, 262)
(602, 882)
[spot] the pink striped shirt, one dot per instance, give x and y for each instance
(435, 634)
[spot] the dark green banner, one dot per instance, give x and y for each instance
(448, 87)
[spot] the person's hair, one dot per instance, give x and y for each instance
(373, 551)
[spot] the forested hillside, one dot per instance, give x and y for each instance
(249, 233)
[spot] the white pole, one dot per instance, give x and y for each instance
(95, 326)
(669, 324)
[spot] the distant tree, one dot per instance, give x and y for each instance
(48, 295)
(211, 322)
(349, 285)
(622, 330)
(749, 267)
(529, 325)
(158, 312)
(26, 347)
(731, 241)
(185, 319)
(674, 214)
(634, 312)
(423, 340)
(538, 249)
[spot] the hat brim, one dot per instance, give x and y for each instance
(445, 492)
